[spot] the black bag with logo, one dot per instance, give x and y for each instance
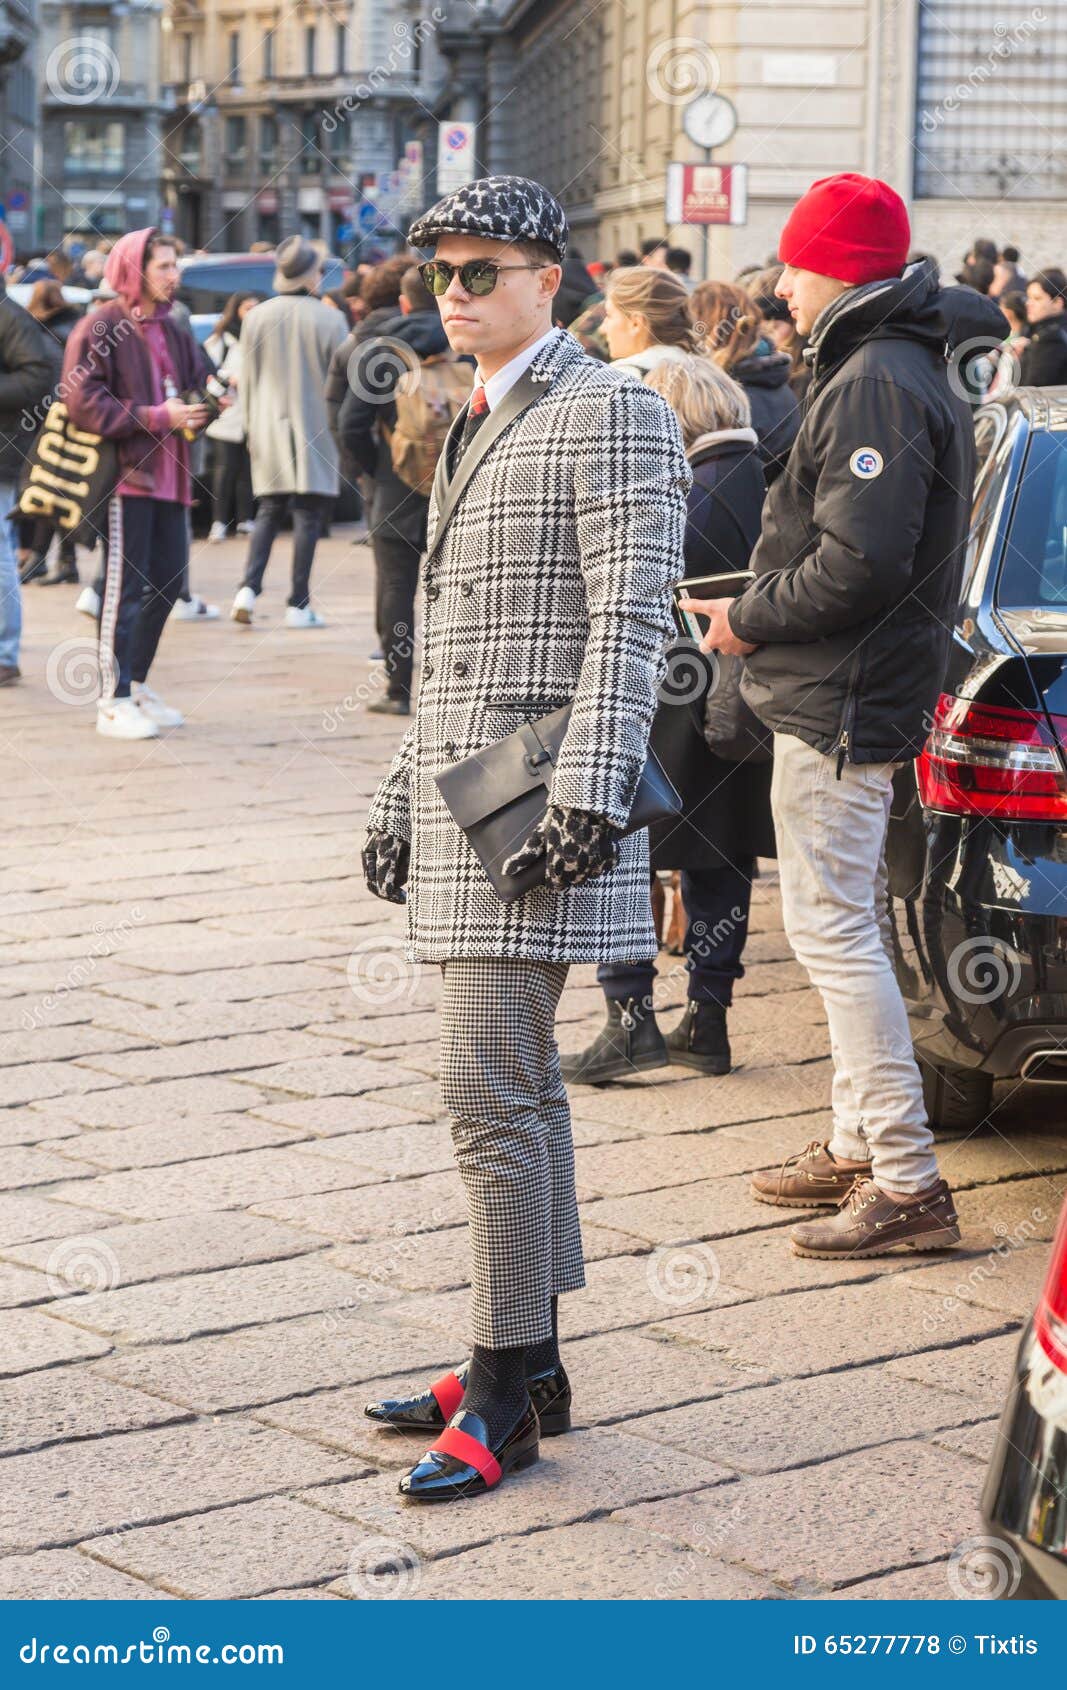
(68, 477)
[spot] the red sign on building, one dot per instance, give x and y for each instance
(707, 193)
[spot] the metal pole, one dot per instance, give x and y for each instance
(704, 233)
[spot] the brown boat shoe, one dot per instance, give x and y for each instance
(868, 1223)
(811, 1179)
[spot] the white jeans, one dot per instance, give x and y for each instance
(831, 859)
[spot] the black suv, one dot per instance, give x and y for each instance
(977, 846)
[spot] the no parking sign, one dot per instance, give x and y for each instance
(455, 155)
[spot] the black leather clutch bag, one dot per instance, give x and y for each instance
(498, 796)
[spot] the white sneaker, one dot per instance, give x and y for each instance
(151, 705)
(303, 617)
(217, 533)
(88, 602)
(122, 718)
(245, 527)
(243, 605)
(194, 610)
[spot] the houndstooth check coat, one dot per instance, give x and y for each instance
(550, 555)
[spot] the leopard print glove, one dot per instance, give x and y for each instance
(385, 866)
(577, 845)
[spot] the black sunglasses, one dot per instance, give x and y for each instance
(477, 277)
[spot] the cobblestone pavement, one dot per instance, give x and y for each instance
(229, 1215)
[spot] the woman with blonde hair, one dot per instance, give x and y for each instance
(726, 812)
(647, 320)
(733, 335)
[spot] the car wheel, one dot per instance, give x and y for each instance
(957, 1099)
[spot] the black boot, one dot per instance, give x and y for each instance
(627, 1044)
(33, 568)
(66, 572)
(699, 1041)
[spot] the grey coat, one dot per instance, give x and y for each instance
(286, 347)
(550, 557)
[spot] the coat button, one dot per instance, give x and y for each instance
(433, 593)
(466, 589)
(459, 668)
(427, 670)
(450, 748)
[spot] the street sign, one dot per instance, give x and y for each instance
(455, 155)
(369, 218)
(707, 193)
(709, 120)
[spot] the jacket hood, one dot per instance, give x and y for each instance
(719, 440)
(423, 331)
(913, 306)
(762, 369)
(124, 270)
(641, 362)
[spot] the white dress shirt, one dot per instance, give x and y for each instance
(504, 380)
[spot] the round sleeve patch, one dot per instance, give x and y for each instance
(866, 463)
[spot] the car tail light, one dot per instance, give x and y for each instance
(985, 760)
(1050, 1321)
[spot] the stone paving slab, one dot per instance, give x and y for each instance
(336, 1117)
(184, 1139)
(981, 1369)
(375, 1211)
(136, 1106)
(831, 1523)
(774, 1427)
(810, 1333)
(709, 1208)
(25, 1216)
(64, 1404)
(754, 1094)
(268, 1363)
(137, 1477)
(199, 1304)
(209, 1056)
(33, 1340)
(235, 1552)
(65, 1575)
(156, 1250)
(215, 1182)
(595, 1562)
(440, 1261)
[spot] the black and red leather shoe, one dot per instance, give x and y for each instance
(550, 1394)
(463, 1462)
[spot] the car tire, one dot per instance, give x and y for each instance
(957, 1099)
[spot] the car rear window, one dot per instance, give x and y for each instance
(207, 287)
(1033, 570)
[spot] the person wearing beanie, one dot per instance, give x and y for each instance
(845, 632)
(286, 347)
(555, 532)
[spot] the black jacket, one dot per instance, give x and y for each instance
(764, 375)
(369, 402)
(726, 806)
(336, 387)
(863, 537)
(1044, 363)
(28, 372)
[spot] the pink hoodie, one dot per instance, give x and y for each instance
(124, 273)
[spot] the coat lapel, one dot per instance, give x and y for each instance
(529, 387)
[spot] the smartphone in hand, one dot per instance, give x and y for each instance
(727, 586)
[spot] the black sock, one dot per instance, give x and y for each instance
(496, 1388)
(542, 1357)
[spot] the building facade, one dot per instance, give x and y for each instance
(952, 101)
(19, 115)
(101, 117)
(303, 118)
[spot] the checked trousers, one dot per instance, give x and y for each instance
(511, 1130)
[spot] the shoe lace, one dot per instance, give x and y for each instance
(860, 1195)
(806, 1155)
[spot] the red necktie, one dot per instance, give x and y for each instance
(477, 411)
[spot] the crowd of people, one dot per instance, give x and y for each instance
(333, 367)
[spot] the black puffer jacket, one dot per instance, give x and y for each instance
(29, 367)
(1044, 363)
(764, 375)
(862, 542)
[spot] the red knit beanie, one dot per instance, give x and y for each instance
(851, 227)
